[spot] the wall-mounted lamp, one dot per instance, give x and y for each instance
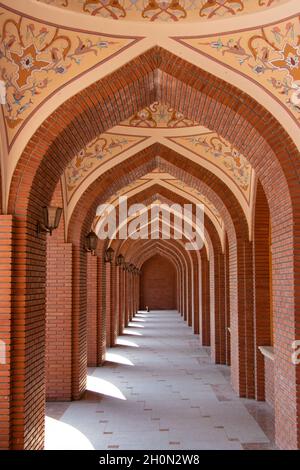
(108, 256)
(91, 241)
(131, 268)
(120, 260)
(51, 218)
(125, 266)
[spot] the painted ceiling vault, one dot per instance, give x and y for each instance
(164, 10)
(52, 49)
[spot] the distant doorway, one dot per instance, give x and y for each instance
(158, 284)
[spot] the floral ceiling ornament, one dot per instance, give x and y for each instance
(222, 154)
(36, 59)
(221, 7)
(100, 150)
(164, 10)
(270, 56)
(159, 115)
(110, 8)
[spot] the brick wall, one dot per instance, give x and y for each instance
(58, 312)
(269, 381)
(6, 237)
(158, 284)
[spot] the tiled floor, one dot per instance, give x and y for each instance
(159, 390)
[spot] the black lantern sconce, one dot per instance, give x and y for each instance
(51, 219)
(125, 266)
(131, 268)
(120, 260)
(108, 256)
(91, 241)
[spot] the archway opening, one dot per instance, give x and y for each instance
(158, 284)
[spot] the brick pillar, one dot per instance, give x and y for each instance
(217, 307)
(205, 300)
(92, 310)
(79, 322)
(132, 295)
(6, 260)
(189, 296)
(121, 301)
(59, 318)
(262, 288)
(227, 303)
(126, 321)
(28, 336)
(108, 297)
(196, 296)
(242, 325)
(101, 334)
(114, 305)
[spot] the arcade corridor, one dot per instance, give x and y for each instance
(150, 224)
(159, 390)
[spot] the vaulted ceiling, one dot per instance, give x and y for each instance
(157, 103)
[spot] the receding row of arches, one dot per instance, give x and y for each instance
(238, 293)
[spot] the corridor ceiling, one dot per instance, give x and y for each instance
(48, 57)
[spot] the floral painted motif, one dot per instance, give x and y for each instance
(159, 115)
(98, 151)
(202, 199)
(164, 10)
(269, 55)
(36, 59)
(222, 154)
(221, 7)
(107, 8)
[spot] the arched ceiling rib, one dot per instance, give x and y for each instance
(165, 11)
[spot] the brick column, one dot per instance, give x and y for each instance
(242, 327)
(262, 288)
(205, 300)
(6, 260)
(196, 296)
(126, 320)
(121, 301)
(92, 310)
(79, 323)
(101, 334)
(217, 307)
(59, 318)
(108, 297)
(114, 305)
(227, 304)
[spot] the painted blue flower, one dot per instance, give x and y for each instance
(258, 69)
(103, 44)
(60, 70)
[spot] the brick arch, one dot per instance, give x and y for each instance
(164, 294)
(155, 75)
(241, 288)
(217, 290)
(174, 251)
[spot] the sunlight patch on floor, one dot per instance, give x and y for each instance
(118, 359)
(132, 333)
(126, 342)
(103, 387)
(63, 436)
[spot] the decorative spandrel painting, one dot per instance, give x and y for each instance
(222, 154)
(37, 59)
(164, 10)
(97, 152)
(270, 56)
(159, 115)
